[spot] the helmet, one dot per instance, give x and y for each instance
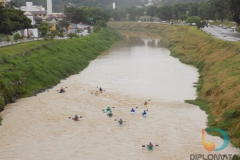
(150, 142)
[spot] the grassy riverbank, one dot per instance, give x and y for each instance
(218, 64)
(29, 67)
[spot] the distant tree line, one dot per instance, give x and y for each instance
(210, 10)
(88, 15)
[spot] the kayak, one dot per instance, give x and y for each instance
(144, 115)
(110, 114)
(150, 148)
(120, 123)
(75, 120)
(62, 91)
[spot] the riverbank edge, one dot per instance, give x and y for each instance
(34, 67)
(185, 43)
(200, 102)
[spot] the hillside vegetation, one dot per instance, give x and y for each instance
(29, 68)
(58, 5)
(218, 62)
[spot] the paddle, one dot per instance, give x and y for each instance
(148, 145)
(71, 117)
(118, 121)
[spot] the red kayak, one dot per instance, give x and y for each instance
(75, 119)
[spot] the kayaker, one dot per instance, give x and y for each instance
(150, 145)
(120, 121)
(110, 114)
(75, 117)
(61, 90)
(132, 110)
(96, 93)
(144, 112)
(108, 109)
(145, 103)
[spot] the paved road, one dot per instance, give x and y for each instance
(221, 33)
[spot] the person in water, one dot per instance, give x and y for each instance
(120, 121)
(150, 145)
(132, 110)
(145, 103)
(100, 89)
(75, 117)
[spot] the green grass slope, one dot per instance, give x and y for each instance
(29, 67)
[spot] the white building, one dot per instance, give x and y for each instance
(49, 6)
(30, 7)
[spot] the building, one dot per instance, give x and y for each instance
(4, 2)
(49, 6)
(30, 7)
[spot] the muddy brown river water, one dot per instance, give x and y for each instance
(132, 71)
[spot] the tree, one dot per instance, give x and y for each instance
(11, 4)
(13, 20)
(165, 13)
(78, 30)
(43, 29)
(220, 9)
(179, 9)
(71, 35)
(193, 9)
(234, 6)
(152, 10)
(63, 25)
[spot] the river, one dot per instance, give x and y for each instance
(131, 72)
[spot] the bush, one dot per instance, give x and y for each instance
(101, 23)
(193, 19)
(96, 28)
(8, 38)
(71, 35)
(16, 37)
(230, 114)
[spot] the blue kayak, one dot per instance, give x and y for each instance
(132, 111)
(145, 115)
(108, 109)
